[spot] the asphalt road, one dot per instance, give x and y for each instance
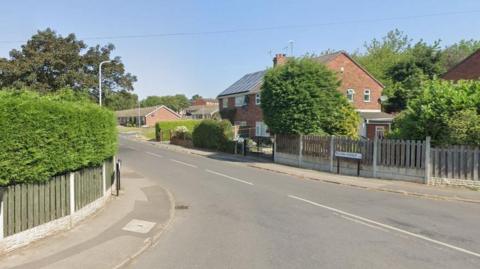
(242, 217)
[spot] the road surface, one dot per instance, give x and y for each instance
(243, 217)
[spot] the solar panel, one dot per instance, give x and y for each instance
(247, 83)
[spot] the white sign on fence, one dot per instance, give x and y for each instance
(350, 155)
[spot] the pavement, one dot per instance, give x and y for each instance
(101, 241)
(439, 192)
(236, 215)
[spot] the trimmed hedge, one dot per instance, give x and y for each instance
(166, 126)
(213, 134)
(42, 136)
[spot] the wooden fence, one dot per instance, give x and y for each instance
(455, 162)
(384, 158)
(26, 206)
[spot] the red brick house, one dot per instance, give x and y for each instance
(359, 86)
(148, 116)
(468, 69)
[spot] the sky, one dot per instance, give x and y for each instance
(230, 38)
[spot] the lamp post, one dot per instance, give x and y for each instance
(100, 81)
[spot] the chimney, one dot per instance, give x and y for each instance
(280, 59)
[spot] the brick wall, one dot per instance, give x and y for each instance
(162, 114)
(353, 77)
(371, 129)
(249, 113)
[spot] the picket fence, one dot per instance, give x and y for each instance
(27, 206)
(409, 160)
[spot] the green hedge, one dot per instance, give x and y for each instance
(42, 136)
(166, 126)
(213, 134)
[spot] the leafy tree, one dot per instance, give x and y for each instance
(381, 55)
(49, 62)
(301, 97)
(455, 53)
(196, 97)
(176, 102)
(464, 127)
(421, 62)
(121, 100)
(446, 111)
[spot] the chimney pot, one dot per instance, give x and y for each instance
(280, 59)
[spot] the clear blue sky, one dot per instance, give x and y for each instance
(207, 64)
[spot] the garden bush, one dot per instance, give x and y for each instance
(213, 134)
(166, 126)
(43, 136)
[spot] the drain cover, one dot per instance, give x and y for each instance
(181, 206)
(139, 226)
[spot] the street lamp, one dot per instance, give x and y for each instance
(100, 81)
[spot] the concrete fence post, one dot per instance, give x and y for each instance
(427, 160)
(1, 215)
(72, 193)
(375, 156)
(475, 164)
(104, 179)
(332, 153)
(300, 151)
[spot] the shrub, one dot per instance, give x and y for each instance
(213, 134)
(182, 132)
(446, 111)
(302, 97)
(166, 126)
(42, 136)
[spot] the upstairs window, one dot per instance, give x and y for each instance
(350, 94)
(240, 101)
(366, 95)
(257, 99)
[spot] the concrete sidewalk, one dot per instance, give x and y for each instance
(127, 226)
(407, 188)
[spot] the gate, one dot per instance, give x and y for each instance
(259, 147)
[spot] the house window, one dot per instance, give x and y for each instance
(240, 123)
(225, 102)
(240, 101)
(366, 95)
(380, 132)
(257, 99)
(261, 129)
(350, 94)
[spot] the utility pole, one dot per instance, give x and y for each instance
(100, 81)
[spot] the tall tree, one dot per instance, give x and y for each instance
(301, 97)
(196, 97)
(455, 53)
(421, 62)
(121, 100)
(175, 102)
(49, 62)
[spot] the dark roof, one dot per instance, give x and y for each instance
(328, 57)
(467, 69)
(376, 116)
(248, 83)
(253, 81)
(142, 112)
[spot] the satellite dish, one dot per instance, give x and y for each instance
(383, 98)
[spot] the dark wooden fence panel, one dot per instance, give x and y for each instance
(455, 162)
(401, 153)
(288, 144)
(29, 205)
(316, 146)
(88, 186)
